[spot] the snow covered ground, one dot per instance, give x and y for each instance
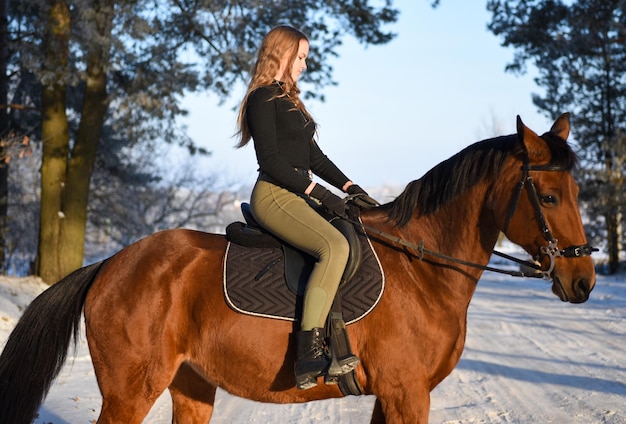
(529, 358)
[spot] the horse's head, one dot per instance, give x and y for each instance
(543, 215)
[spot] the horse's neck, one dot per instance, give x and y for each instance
(459, 230)
(430, 288)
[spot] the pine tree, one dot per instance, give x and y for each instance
(119, 69)
(579, 50)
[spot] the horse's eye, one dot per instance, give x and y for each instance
(549, 199)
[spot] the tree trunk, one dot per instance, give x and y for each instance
(55, 136)
(83, 157)
(4, 128)
(66, 175)
(76, 194)
(612, 241)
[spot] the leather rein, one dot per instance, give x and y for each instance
(551, 250)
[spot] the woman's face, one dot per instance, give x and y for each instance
(299, 64)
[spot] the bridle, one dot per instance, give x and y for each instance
(551, 250)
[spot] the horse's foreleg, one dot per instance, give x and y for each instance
(378, 416)
(402, 404)
(192, 397)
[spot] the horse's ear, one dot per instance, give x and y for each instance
(535, 146)
(520, 128)
(560, 128)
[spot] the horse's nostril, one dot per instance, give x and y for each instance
(582, 288)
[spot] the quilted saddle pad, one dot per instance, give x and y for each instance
(254, 284)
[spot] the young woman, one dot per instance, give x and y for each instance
(284, 195)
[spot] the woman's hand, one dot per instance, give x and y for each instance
(360, 197)
(333, 203)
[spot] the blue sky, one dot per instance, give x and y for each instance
(398, 109)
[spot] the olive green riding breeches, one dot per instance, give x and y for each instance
(291, 218)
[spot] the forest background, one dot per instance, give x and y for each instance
(93, 97)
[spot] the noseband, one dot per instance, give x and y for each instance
(551, 250)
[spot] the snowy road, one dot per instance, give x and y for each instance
(529, 358)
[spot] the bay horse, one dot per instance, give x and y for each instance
(156, 318)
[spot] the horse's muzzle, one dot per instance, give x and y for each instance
(579, 293)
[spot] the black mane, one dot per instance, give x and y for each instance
(455, 175)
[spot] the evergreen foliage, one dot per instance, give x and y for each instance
(94, 78)
(579, 50)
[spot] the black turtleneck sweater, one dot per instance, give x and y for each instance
(283, 139)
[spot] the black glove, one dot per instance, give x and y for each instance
(333, 203)
(361, 198)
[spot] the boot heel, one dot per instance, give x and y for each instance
(331, 380)
(311, 361)
(306, 382)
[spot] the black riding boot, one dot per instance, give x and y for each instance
(311, 360)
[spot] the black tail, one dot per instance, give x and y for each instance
(36, 349)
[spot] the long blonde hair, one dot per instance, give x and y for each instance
(282, 41)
